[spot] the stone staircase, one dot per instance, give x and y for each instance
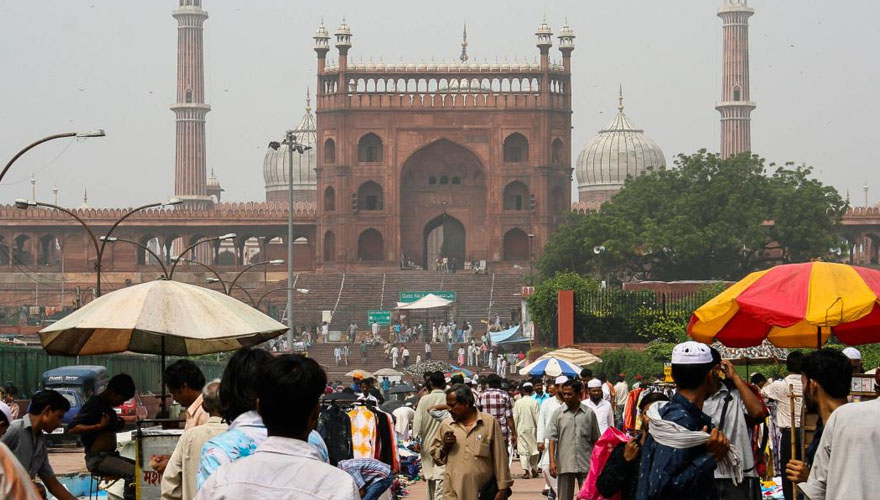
(352, 295)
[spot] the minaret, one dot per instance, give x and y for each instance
(735, 106)
(463, 57)
(189, 171)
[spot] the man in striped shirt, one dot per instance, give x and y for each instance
(372, 477)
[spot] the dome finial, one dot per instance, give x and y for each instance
(620, 100)
(464, 57)
(308, 102)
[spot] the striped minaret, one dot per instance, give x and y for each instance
(735, 106)
(190, 177)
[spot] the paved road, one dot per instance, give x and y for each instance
(523, 489)
(73, 460)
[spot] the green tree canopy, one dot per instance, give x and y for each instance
(705, 218)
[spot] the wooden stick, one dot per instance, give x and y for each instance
(793, 435)
(803, 431)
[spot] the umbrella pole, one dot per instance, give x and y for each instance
(162, 367)
(794, 455)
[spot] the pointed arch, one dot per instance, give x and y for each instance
(370, 149)
(516, 148)
(371, 246)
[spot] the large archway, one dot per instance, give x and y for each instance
(443, 192)
(444, 237)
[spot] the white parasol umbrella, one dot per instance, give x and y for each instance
(160, 317)
(388, 372)
(573, 355)
(552, 367)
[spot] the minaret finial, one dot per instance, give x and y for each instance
(464, 57)
(620, 100)
(34, 188)
(85, 196)
(308, 102)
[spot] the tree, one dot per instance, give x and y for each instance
(544, 302)
(706, 218)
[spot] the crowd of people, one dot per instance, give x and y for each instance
(251, 434)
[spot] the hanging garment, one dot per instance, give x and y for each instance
(334, 425)
(363, 432)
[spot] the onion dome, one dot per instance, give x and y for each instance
(275, 163)
(618, 151)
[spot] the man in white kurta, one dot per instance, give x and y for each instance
(847, 462)
(601, 407)
(424, 428)
(525, 417)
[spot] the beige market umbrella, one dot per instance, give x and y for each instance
(388, 372)
(160, 317)
(573, 355)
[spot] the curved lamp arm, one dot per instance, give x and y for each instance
(172, 201)
(91, 133)
(187, 249)
(215, 273)
(251, 266)
(24, 204)
(105, 239)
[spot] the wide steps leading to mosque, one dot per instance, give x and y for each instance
(477, 298)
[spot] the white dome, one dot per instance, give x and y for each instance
(620, 150)
(275, 163)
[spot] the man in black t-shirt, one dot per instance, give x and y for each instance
(97, 424)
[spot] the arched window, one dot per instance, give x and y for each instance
(370, 149)
(189, 95)
(516, 245)
(737, 93)
(557, 151)
(432, 180)
(516, 148)
(370, 245)
(456, 180)
(329, 199)
(444, 179)
(370, 196)
(329, 246)
(329, 151)
(516, 195)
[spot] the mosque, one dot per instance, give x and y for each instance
(403, 164)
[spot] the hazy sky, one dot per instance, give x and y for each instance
(73, 65)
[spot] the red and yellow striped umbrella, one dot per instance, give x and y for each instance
(794, 305)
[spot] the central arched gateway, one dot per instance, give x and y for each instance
(443, 208)
(444, 237)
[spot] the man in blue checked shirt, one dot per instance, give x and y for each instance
(372, 477)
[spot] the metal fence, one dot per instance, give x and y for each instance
(629, 316)
(24, 367)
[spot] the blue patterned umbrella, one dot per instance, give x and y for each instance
(552, 367)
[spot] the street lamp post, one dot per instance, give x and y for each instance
(531, 238)
(83, 135)
(99, 248)
(227, 289)
(292, 145)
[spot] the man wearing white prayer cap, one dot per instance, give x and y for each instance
(600, 406)
(673, 472)
(855, 358)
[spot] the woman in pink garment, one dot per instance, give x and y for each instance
(461, 356)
